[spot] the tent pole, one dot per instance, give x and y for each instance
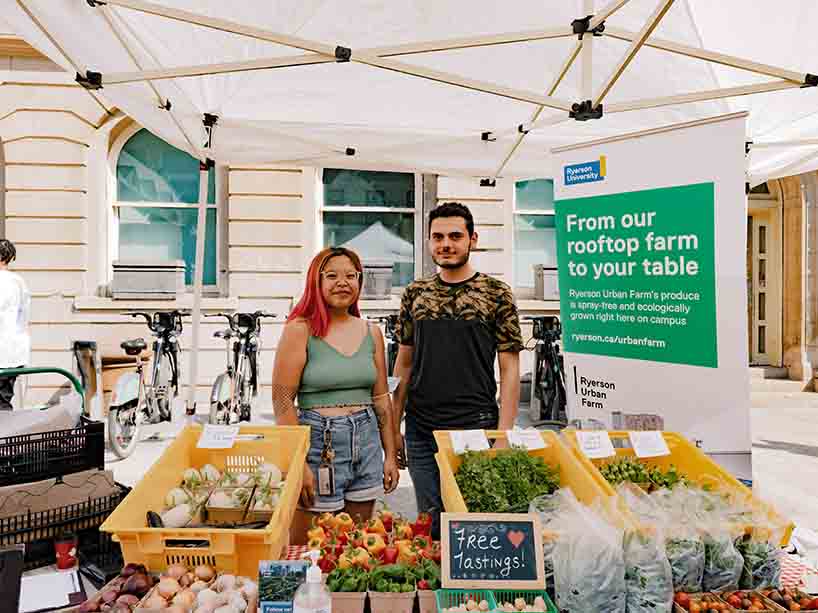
(109, 19)
(604, 13)
(566, 66)
(636, 44)
(711, 56)
(587, 73)
(198, 281)
(713, 94)
(339, 52)
(803, 142)
(62, 51)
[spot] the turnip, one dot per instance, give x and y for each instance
(178, 517)
(175, 497)
(210, 474)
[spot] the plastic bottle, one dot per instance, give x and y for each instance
(312, 596)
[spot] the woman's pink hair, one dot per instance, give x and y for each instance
(312, 306)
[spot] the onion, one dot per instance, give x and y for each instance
(155, 602)
(187, 580)
(204, 573)
(137, 584)
(176, 571)
(186, 599)
(198, 586)
(176, 609)
(89, 606)
(236, 600)
(225, 583)
(168, 588)
(110, 595)
(131, 569)
(128, 599)
(249, 589)
(120, 607)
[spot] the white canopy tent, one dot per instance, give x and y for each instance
(461, 88)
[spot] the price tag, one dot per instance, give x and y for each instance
(469, 440)
(595, 444)
(527, 439)
(218, 437)
(648, 444)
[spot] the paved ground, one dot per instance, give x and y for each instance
(785, 453)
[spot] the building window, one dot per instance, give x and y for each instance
(535, 234)
(156, 206)
(372, 213)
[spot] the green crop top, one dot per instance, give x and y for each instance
(331, 378)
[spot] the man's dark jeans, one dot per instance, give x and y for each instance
(420, 455)
(6, 392)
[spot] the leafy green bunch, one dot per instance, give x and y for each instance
(632, 470)
(506, 483)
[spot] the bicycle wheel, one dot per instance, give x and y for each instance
(220, 400)
(162, 389)
(244, 393)
(123, 428)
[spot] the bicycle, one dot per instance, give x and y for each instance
(233, 390)
(547, 408)
(136, 402)
(390, 323)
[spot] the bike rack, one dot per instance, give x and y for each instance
(16, 372)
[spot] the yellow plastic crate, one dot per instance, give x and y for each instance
(573, 474)
(690, 461)
(236, 551)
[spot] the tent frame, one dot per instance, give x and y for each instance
(586, 29)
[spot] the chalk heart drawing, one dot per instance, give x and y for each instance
(516, 538)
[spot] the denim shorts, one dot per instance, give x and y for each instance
(356, 440)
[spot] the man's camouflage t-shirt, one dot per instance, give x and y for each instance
(456, 330)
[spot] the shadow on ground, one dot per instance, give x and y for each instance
(794, 448)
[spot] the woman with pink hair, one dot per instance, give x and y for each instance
(333, 362)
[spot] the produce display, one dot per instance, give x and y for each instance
(701, 603)
(722, 563)
(648, 577)
(206, 492)
(384, 554)
(505, 483)
(791, 600)
(627, 469)
(122, 593)
(471, 605)
(178, 590)
(687, 559)
(520, 606)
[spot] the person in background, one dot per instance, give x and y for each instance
(451, 327)
(334, 363)
(15, 302)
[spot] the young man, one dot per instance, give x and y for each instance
(451, 328)
(15, 344)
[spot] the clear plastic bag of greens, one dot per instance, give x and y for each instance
(589, 567)
(547, 508)
(648, 576)
(686, 556)
(762, 559)
(722, 561)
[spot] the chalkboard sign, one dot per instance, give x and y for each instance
(497, 550)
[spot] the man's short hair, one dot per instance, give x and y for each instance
(7, 251)
(452, 209)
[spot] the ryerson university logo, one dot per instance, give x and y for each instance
(587, 172)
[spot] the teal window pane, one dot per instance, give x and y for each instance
(368, 188)
(151, 170)
(537, 194)
(159, 233)
(535, 242)
(376, 236)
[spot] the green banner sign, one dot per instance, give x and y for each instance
(637, 275)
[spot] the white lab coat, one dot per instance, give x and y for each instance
(15, 305)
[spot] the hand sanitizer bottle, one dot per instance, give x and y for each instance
(312, 596)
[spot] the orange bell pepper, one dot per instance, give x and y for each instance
(374, 544)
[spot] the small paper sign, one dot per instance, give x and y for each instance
(218, 437)
(595, 444)
(469, 440)
(527, 439)
(648, 444)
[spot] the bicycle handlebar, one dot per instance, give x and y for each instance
(232, 319)
(151, 317)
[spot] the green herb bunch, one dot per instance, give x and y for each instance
(506, 483)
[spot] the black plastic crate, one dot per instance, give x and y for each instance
(47, 455)
(38, 530)
(100, 557)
